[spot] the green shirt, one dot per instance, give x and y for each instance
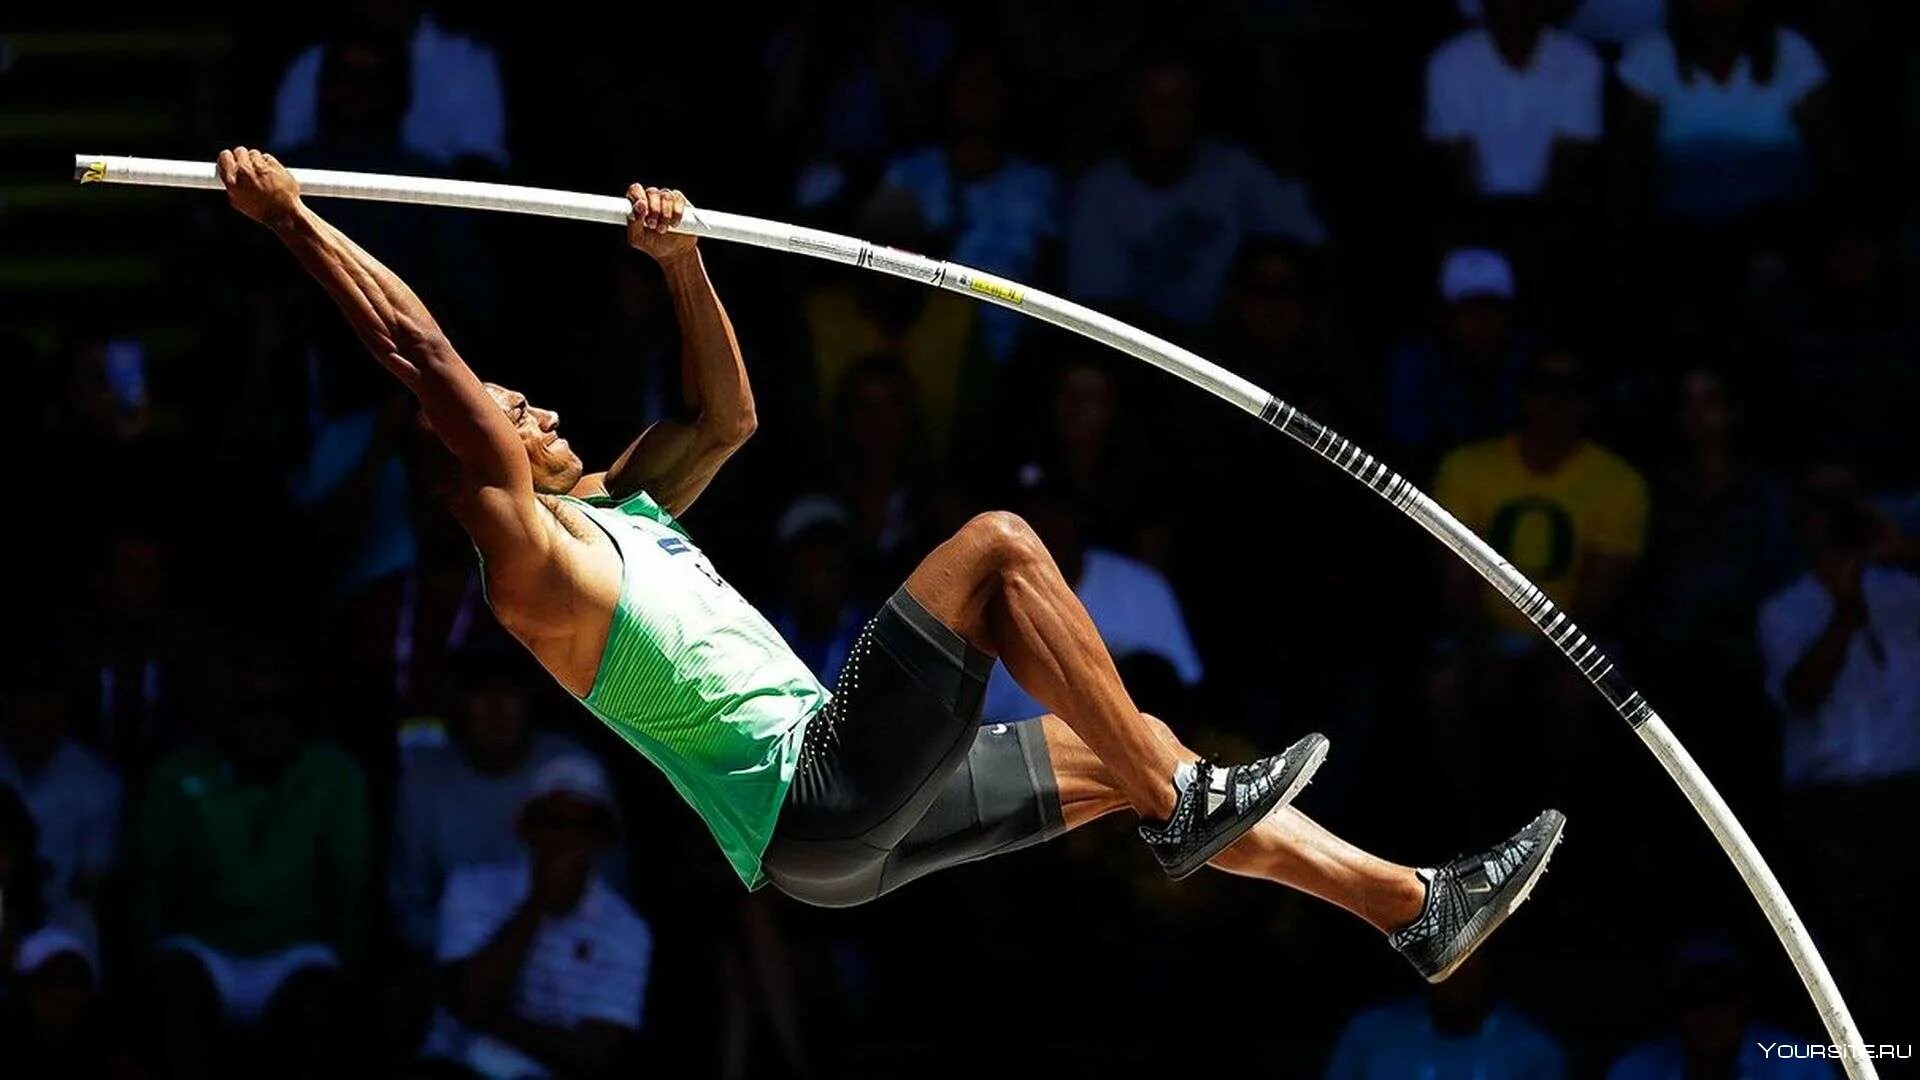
(697, 680)
(250, 868)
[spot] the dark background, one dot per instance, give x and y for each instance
(166, 533)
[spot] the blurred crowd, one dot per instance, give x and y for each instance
(1619, 282)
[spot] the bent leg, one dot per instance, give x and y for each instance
(996, 586)
(1003, 798)
(1287, 847)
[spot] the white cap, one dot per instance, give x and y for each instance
(571, 774)
(808, 511)
(1475, 273)
(48, 942)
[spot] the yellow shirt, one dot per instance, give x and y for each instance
(938, 349)
(1548, 525)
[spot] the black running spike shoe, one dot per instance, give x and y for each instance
(1224, 801)
(1468, 898)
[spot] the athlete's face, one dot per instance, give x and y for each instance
(556, 468)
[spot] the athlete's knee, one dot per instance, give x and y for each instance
(1006, 537)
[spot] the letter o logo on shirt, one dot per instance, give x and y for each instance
(1535, 534)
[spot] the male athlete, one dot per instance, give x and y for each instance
(837, 798)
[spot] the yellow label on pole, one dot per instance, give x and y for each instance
(999, 290)
(96, 171)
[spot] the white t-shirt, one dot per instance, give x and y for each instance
(1726, 148)
(1513, 115)
(446, 815)
(589, 964)
(75, 799)
(1869, 725)
(1135, 610)
(1170, 248)
(1740, 110)
(458, 105)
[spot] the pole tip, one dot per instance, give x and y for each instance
(89, 170)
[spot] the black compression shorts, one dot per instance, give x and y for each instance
(896, 778)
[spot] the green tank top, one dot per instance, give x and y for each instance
(697, 680)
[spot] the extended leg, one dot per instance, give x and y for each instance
(1286, 847)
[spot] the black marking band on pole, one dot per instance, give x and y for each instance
(1270, 412)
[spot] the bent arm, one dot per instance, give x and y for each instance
(479, 989)
(675, 459)
(1811, 679)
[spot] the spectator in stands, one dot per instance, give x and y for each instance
(1158, 226)
(51, 1026)
(1842, 648)
(1842, 654)
(817, 615)
(1072, 63)
(364, 89)
(352, 490)
(882, 472)
(49, 965)
(1709, 992)
(22, 875)
(1572, 517)
(1721, 532)
(934, 335)
(1272, 326)
(1835, 343)
(1731, 104)
(109, 423)
(1461, 1030)
(545, 967)
(252, 862)
(456, 804)
(1091, 447)
(1567, 513)
(1131, 604)
(74, 796)
(849, 83)
(1463, 383)
(1721, 541)
(991, 209)
(137, 645)
(363, 79)
(1515, 105)
(353, 500)
(450, 87)
(350, 484)
(1276, 330)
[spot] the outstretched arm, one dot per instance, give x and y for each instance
(397, 328)
(675, 459)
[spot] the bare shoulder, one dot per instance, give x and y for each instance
(559, 599)
(549, 586)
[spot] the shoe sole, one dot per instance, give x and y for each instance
(1316, 755)
(1505, 902)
